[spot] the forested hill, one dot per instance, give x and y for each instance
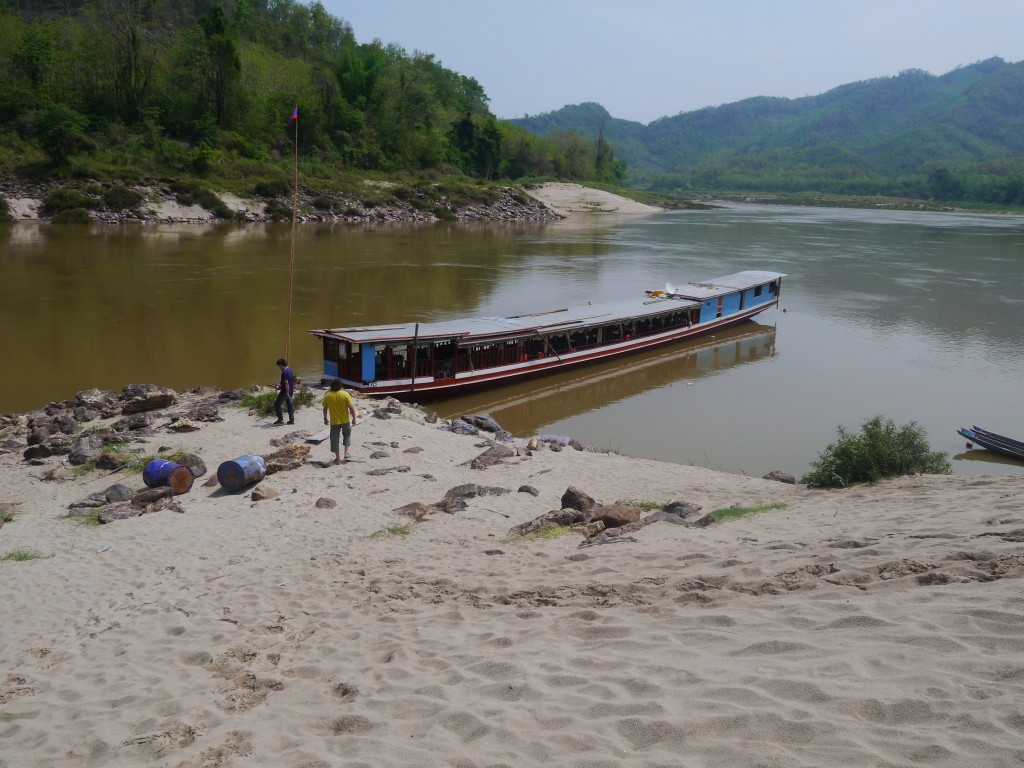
(144, 90)
(955, 136)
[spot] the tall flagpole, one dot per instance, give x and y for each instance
(291, 259)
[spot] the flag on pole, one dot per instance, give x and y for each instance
(295, 115)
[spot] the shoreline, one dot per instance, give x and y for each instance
(336, 620)
(549, 201)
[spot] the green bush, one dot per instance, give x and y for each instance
(277, 212)
(119, 198)
(273, 188)
(72, 216)
(263, 403)
(66, 199)
(879, 451)
(5, 210)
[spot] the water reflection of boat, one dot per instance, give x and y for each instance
(524, 408)
(987, 457)
(417, 360)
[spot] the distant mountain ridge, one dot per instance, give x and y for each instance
(899, 126)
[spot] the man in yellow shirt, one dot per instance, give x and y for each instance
(338, 407)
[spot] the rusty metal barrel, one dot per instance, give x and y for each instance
(245, 470)
(160, 472)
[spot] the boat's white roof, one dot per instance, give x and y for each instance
(567, 319)
(719, 286)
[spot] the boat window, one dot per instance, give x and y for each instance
(559, 343)
(758, 289)
(424, 364)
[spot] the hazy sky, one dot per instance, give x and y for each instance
(644, 59)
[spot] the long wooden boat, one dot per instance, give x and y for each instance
(994, 442)
(442, 358)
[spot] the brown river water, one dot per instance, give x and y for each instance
(913, 316)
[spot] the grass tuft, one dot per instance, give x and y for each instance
(551, 532)
(392, 530)
(84, 520)
(20, 555)
(735, 513)
(645, 506)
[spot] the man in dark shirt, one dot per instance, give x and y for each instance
(285, 393)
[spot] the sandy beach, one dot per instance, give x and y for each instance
(875, 626)
(573, 199)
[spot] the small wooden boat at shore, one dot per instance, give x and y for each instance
(993, 442)
(447, 357)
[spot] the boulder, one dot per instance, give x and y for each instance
(492, 456)
(147, 397)
(134, 422)
(92, 501)
(574, 498)
(39, 435)
(263, 492)
(528, 489)
(554, 517)
(616, 515)
(292, 437)
(117, 492)
(181, 426)
(195, 464)
(205, 413)
(277, 464)
(10, 445)
(83, 414)
(591, 529)
(417, 510)
(119, 511)
(286, 458)
(380, 455)
(86, 449)
(325, 503)
(682, 509)
(461, 427)
(483, 421)
(781, 477)
(102, 400)
(150, 495)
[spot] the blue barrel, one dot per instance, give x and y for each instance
(243, 471)
(160, 472)
(157, 471)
